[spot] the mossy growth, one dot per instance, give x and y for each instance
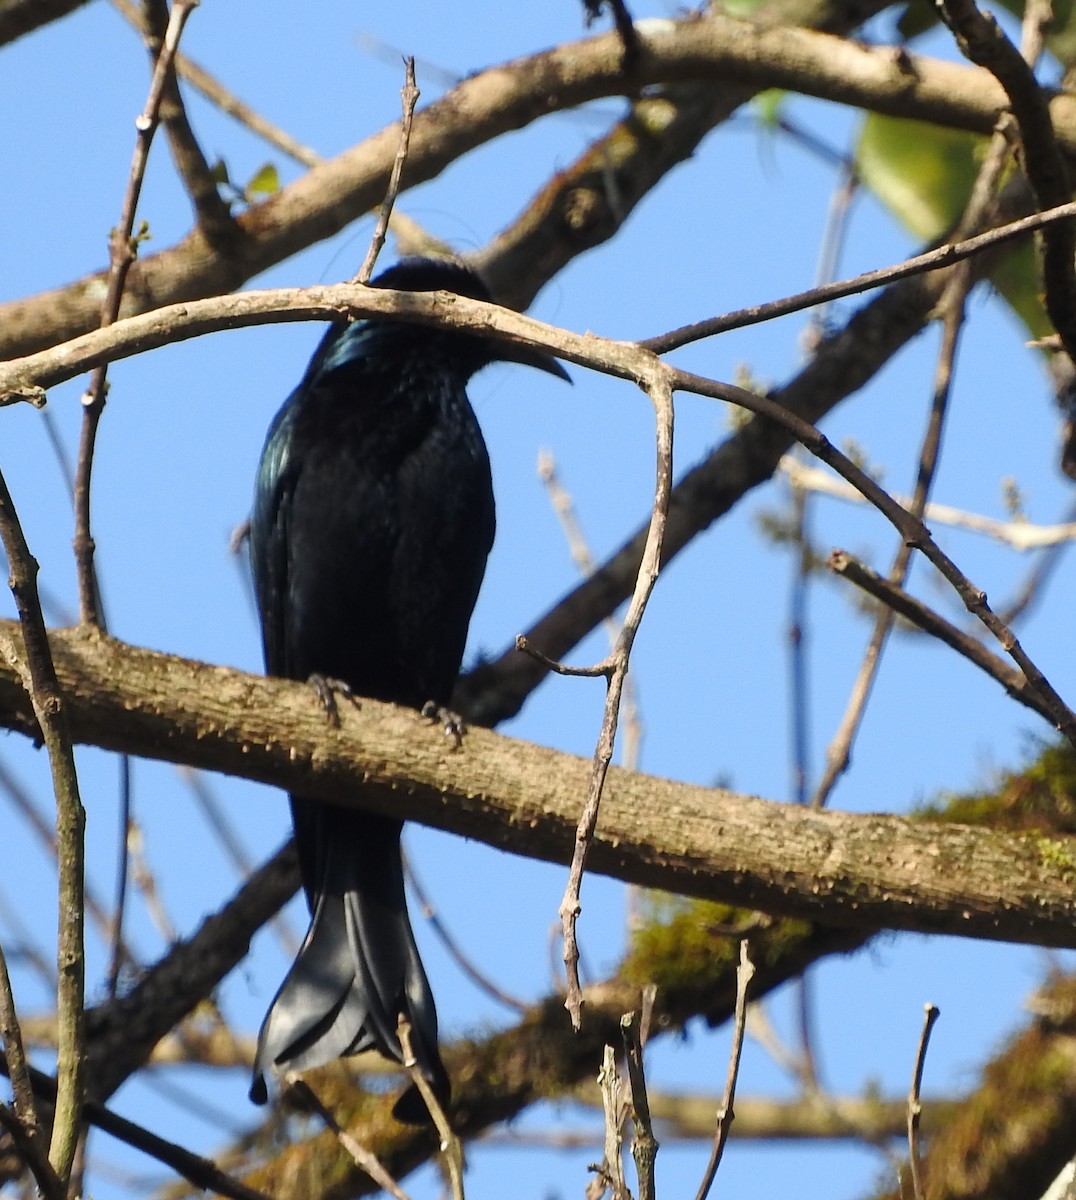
(1040, 797)
(685, 945)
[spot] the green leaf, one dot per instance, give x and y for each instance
(265, 181)
(768, 105)
(923, 175)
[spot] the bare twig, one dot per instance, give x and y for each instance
(451, 1146)
(911, 529)
(364, 1159)
(1011, 679)
(38, 673)
(657, 385)
(27, 1144)
(839, 751)
(25, 1110)
(725, 1114)
(931, 260)
(610, 1171)
(1020, 535)
(215, 92)
(564, 508)
(214, 218)
(644, 1146)
(409, 98)
(930, 1015)
(123, 251)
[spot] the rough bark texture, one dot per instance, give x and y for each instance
(866, 871)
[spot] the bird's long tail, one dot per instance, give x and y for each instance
(358, 968)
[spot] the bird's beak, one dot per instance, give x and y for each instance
(528, 357)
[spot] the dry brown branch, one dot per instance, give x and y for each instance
(839, 750)
(123, 252)
(1012, 1135)
(212, 214)
(24, 1125)
(216, 93)
(635, 1031)
(924, 618)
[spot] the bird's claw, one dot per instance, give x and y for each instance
(327, 689)
(452, 723)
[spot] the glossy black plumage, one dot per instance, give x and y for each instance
(373, 517)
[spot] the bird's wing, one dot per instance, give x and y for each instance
(277, 475)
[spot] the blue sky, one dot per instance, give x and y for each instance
(738, 224)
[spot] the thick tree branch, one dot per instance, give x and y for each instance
(19, 17)
(509, 97)
(865, 871)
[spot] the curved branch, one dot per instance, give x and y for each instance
(508, 97)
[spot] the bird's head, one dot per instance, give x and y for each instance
(453, 275)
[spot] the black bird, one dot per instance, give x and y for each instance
(373, 517)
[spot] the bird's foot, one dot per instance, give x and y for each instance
(327, 689)
(452, 723)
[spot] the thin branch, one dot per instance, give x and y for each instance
(123, 251)
(38, 677)
(28, 1147)
(25, 1110)
(657, 385)
(915, 1108)
(984, 42)
(216, 93)
(212, 214)
(725, 1114)
(839, 751)
(911, 529)
(409, 98)
(1019, 534)
(303, 1094)
(644, 1147)
(1011, 679)
(609, 1173)
(450, 1144)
